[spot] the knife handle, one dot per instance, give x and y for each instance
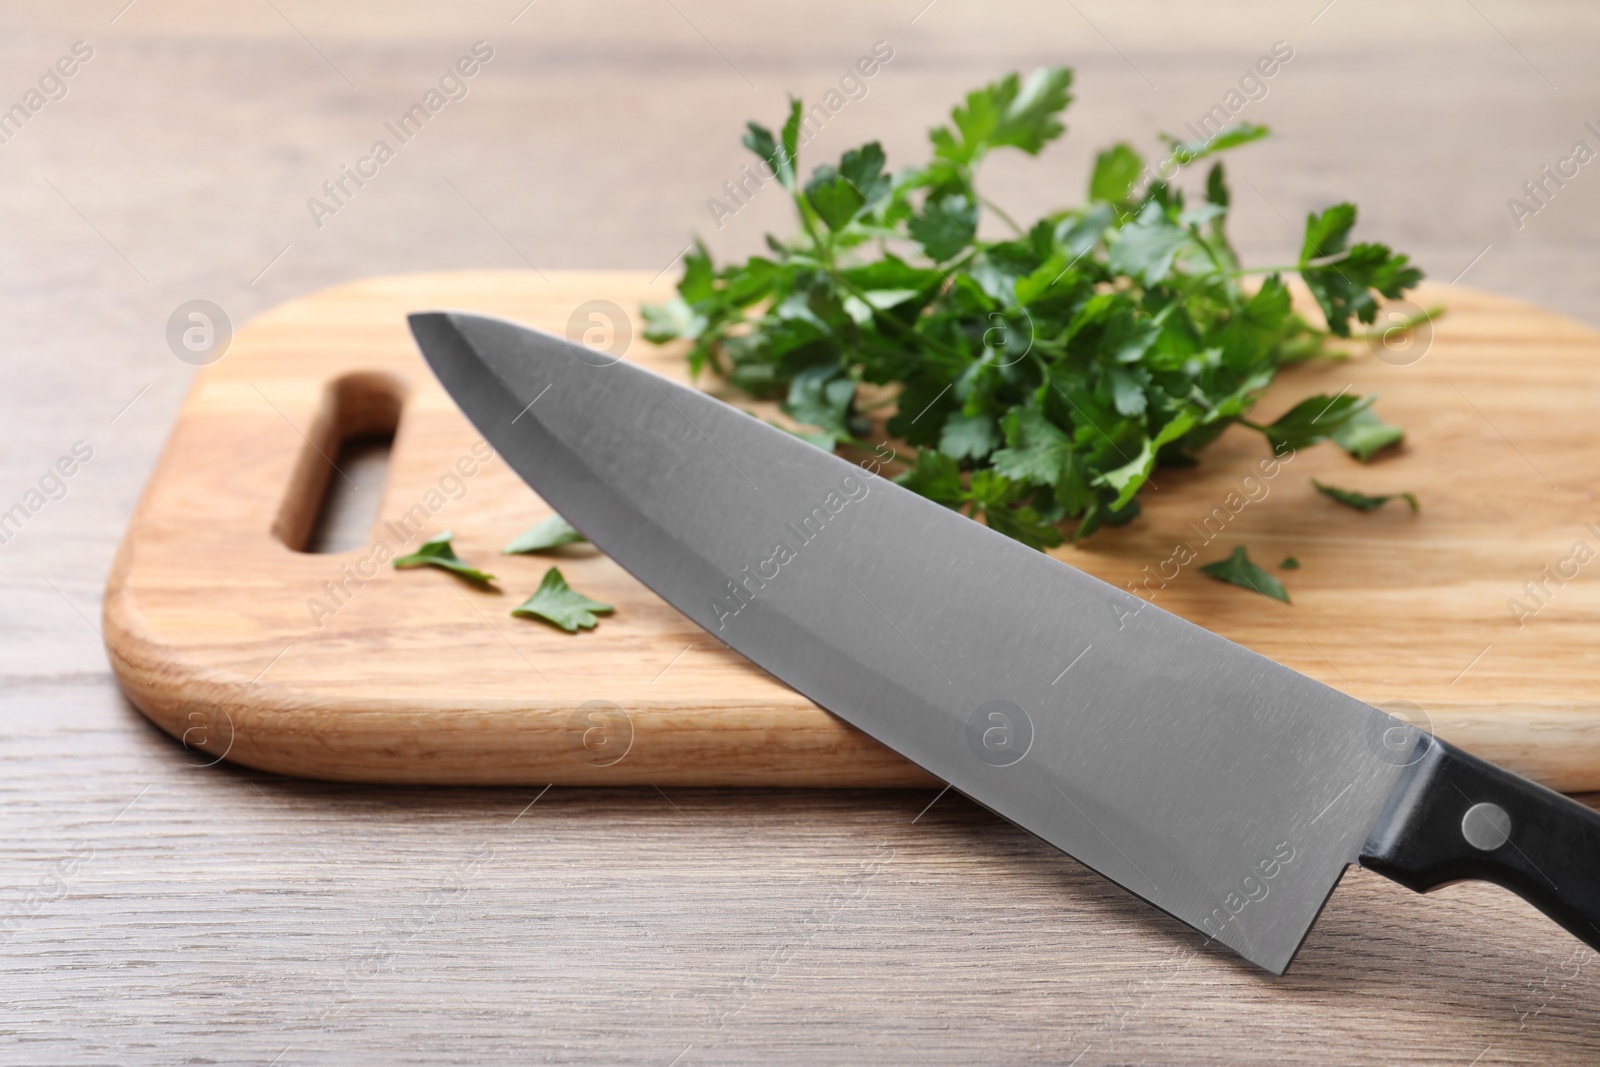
(1457, 817)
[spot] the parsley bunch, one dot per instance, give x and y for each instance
(1041, 377)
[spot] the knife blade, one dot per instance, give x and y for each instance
(1224, 788)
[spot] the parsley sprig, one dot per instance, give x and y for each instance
(1043, 376)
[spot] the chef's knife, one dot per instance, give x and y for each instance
(1224, 788)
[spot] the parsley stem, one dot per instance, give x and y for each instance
(1295, 268)
(1007, 219)
(1211, 254)
(901, 328)
(898, 326)
(954, 265)
(1406, 324)
(811, 229)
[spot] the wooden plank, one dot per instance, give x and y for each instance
(336, 666)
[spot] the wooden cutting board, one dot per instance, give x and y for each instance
(213, 626)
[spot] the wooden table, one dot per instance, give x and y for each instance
(155, 910)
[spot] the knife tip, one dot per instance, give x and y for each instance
(440, 340)
(426, 321)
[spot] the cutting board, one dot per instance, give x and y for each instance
(213, 624)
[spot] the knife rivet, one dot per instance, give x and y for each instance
(1486, 826)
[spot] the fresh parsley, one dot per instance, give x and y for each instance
(1038, 378)
(542, 536)
(1239, 569)
(1361, 501)
(437, 551)
(559, 604)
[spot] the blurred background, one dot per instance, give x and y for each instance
(176, 163)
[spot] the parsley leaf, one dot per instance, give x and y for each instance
(542, 536)
(935, 476)
(437, 551)
(1039, 453)
(1289, 564)
(969, 437)
(945, 227)
(997, 499)
(1115, 172)
(558, 603)
(1231, 136)
(840, 194)
(1314, 419)
(1147, 247)
(1239, 570)
(1007, 112)
(822, 397)
(1343, 279)
(1364, 435)
(1361, 501)
(779, 157)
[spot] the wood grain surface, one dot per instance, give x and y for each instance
(157, 910)
(334, 665)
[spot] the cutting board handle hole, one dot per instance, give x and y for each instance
(331, 506)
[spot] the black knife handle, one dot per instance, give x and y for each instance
(1457, 817)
